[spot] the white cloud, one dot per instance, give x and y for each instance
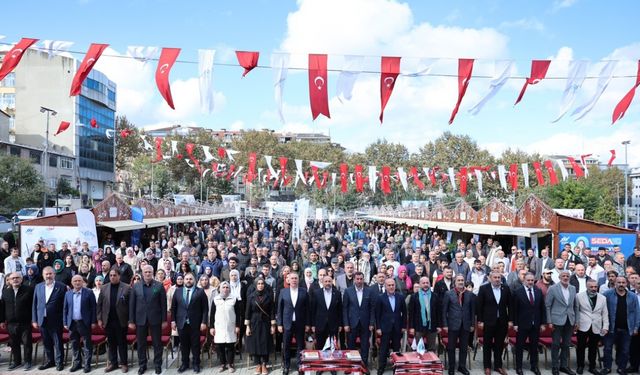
(524, 24)
(559, 4)
(186, 98)
(237, 125)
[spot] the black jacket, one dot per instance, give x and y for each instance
(17, 308)
(486, 307)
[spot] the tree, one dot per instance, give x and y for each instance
(127, 147)
(606, 212)
(20, 184)
(64, 188)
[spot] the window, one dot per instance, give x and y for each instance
(14, 151)
(9, 80)
(111, 95)
(7, 100)
(66, 163)
(35, 156)
(53, 182)
(53, 161)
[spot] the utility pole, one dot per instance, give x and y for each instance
(45, 161)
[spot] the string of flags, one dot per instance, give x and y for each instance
(390, 70)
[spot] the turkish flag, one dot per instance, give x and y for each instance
(413, 172)
(251, 174)
(247, 60)
(577, 169)
(612, 158)
(64, 125)
(432, 176)
(359, 179)
(513, 176)
(623, 105)
(463, 181)
(318, 93)
(158, 148)
(538, 72)
(389, 70)
(385, 183)
(167, 58)
(221, 152)
(344, 171)
(538, 169)
(319, 183)
(283, 169)
(465, 67)
(90, 59)
(13, 57)
(553, 177)
(94, 123)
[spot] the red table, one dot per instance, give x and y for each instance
(338, 360)
(412, 363)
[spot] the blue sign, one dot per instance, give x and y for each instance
(595, 240)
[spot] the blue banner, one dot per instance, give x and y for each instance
(596, 240)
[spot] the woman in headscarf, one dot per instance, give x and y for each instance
(108, 253)
(179, 283)
(96, 259)
(98, 285)
(403, 281)
(63, 275)
(239, 291)
(261, 325)
(87, 274)
(32, 277)
(225, 322)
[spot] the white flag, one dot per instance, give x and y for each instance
(452, 178)
(237, 172)
(207, 154)
(229, 152)
(205, 79)
(414, 344)
(479, 178)
(280, 66)
(502, 173)
(373, 177)
(563, 169)
(420, 69)
(577, 75)
(273, 172)
(606, 73)
(56, 47)
(299, 173)
(525, 174)
(501, 76)
(333, 179)
(403, 178)
(174, 148)
(147, 146)
(351, 68)
(143, 54)
(260, 176)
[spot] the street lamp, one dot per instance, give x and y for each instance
(626, 188)
(49, 112)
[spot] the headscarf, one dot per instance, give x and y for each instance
(61, 263)
(406, 279)
(220, 289)
(99, 277)
(235, 287)
(308, 280)
(35, 270)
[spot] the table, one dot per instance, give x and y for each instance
(338, 360)
(412, 363)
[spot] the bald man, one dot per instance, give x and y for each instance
(79, 317)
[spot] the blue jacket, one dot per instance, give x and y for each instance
(352, 314)
(388, 320)
(633, 311)
(87, 307)
(53, 306)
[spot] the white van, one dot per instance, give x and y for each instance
(32, 213)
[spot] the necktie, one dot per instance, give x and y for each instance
(188, 291)
(530, 296)
(381, 289)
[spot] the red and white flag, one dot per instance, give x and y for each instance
(89, 61)
(465, 68)
(168, 57)
(623, 105)
(64, 125)
(247, 60)
(553, 177)
(539, 70)
(538, 169)
(344, 171)
(385, 180)
(13, 57)
(612, 158)
(389, 70)
(577, 168)
(318, 93)
(359, 179)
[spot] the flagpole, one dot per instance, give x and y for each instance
(50, 112)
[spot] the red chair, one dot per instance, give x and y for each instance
(131, 341)
(443, 339)
(66, 339)
(165, 339)
(36, 338)
(546, 339)
(479, 341)
(98, 340)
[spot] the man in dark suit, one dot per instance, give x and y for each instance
(458, 311)
(378, 284)
(424, 314)
(46, 314)
(148, 313)
(493, 304)
(326, 312)
(79, 317)
(358, 315)
(15, 317)
(126, 273)
(189, 310)
(528, 314)
(441, 287)
(391, 321)
(292, 319)
(113, 317)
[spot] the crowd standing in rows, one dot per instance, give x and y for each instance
(342, 284)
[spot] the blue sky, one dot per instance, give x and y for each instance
(419, 108)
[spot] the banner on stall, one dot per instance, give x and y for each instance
(596, 240)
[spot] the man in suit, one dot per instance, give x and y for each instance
(292, 318)
(543, 263)
(126, 273)
(528, 313)
(424, 314)
(358, 302)
(391, 321)
(561, 313)
(493, 306)
(148, 313)
(378, 284)
(326, 312)
(345, 280)
(16, 320)
(593, 322)
(623, 309)
(79, 317)
(441, 287)
(46, 314)
(458, 311)
(113, 316)
(459, 266)
(579, 278)
(189, 310)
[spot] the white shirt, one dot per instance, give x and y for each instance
(327, 297)
(497, 293)
(294, 299)
(594, 272)
(359, 296)
(565, 293)
(531, 293)
(582, 283)
(47, 293)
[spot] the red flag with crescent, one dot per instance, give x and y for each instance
(247, 60)
(359, 179)
(64, 125)
(389, 70)
(13, 57)
(251, 174)
(623, 105)
(344, 171)
(319, 183)
(283, 169)
(318, 93)
(577, 168)
(612, 158)
(513, 176)
(553, 177)
(463, 181)
(167, 58)
(465, 68)
(385, 183)
(539, 70)
(158, 148)
(538, 169)
(89, 61)
(432, 176)
(413, 172)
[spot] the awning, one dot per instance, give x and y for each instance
(122, 225)
(154, 223)
(502, 230)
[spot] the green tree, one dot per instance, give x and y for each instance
(20, 184)
(127, 147)
(64, 188)
(606, 211)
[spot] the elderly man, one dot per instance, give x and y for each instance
(79, 316)
(493, 309)
(561, 313)
(593, 322)
(623, 323)
(18, 299)
(46, 314)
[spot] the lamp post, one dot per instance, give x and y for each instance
(626, 188)
(49, 112)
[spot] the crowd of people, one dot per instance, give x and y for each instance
(246, 285)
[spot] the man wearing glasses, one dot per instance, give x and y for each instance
(15, 317)
(561, 313)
